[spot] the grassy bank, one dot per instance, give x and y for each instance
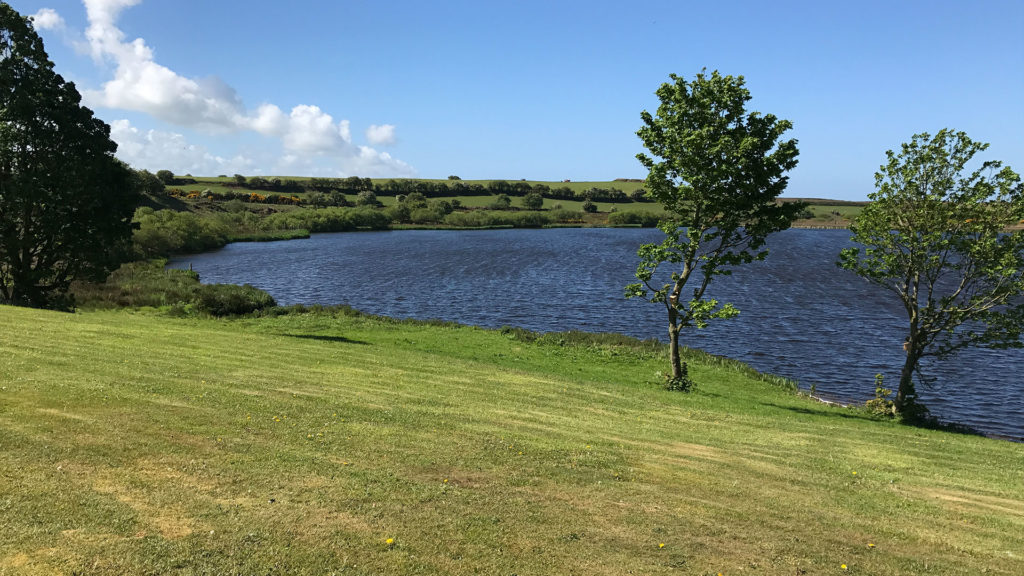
(133, 443)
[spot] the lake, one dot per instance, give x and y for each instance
(801, 316)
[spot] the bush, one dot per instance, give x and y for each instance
(367, 198)
(641, 218)
(137, 284)
(231, 300)
(566, 216)
(589, 207)
(502, 202)
(533, 201)
(426, 216)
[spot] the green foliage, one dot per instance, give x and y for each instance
(719, 171)
(367, 198)
(679, 383)
(232, 300)
(935, 235)
(65, 202)
(533, 201)
(564, 216)
(502, 202)
(641, 218)
(881, 404)
(138, 284)
(166, 176)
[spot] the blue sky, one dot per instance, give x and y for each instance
(537, 90)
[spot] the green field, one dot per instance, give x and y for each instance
(136, 443)
(822, 209)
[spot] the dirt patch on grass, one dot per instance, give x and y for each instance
(976, 501)
(170, 521)
(63, 414)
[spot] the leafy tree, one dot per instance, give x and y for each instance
(589, 206)
(165, 176)
(65, 202)
(502, 202)
(316, 200)
(149, 183)
(717, 170)
(454, 177)
(414, 200)
(239, 179)
(367, 198)
(935, 234)
(533, 201)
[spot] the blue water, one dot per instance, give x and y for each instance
(801, 316)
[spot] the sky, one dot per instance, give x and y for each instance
(544, 90)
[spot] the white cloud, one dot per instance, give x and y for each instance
(141, 84)
(47, 19)
(383, 135)
(155, 150)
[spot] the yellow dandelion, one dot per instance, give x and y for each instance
(390, 541)
(870, 545)
(661, 545)
(854, 472)
(844, 567)
(445, 480)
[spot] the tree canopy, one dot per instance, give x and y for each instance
(937, 235)
(65, 202)
(718, 170)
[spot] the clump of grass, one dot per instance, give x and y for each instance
(138, 284)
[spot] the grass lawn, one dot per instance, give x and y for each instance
(135, 443)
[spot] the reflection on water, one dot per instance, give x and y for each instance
(801, 316)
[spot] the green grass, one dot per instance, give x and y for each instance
(133, 443)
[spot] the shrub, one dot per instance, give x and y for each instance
(589, 207)
(566, 216)
(367, 198)
(231, 300)
(502, 202)
(641, 218)
(426, 216)
(533, 201)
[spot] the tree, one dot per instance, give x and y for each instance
(533, 201)
(149, 183)
(936, 235)
(165, 176)
(66, 203)
(367, 198)
(718, 171)
(502, 202)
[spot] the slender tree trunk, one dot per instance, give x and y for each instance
(905, 395)
(679, 371)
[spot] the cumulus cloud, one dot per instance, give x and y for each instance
(47, 19)
(383, 135)
(141, 84)
(155, 150)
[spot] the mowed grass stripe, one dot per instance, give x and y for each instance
(145, 444)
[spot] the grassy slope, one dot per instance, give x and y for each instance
(132, 443)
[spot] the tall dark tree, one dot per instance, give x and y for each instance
(718, 170)
(65, 202)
